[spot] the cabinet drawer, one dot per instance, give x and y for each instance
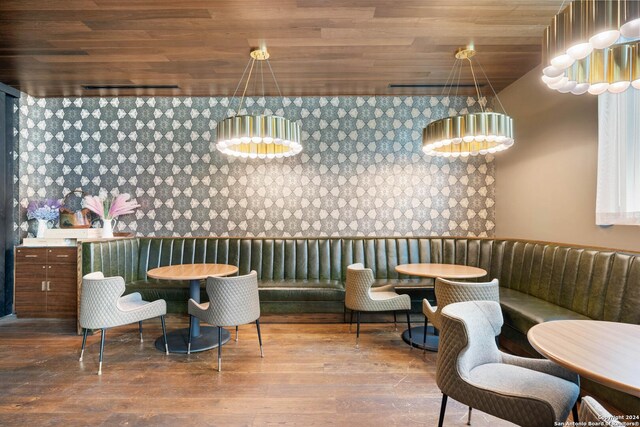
(31, 255)
(62, 255)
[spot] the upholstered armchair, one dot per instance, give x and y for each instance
(233, 301)
(102, 306)
(472, 370)
(592, 413)
(360, 296)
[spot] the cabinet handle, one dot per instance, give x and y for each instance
(62, 256)
(43, 286)
(49, 266)
(31, 256)
(44, 266)
(48, 286)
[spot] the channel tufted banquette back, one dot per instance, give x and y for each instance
(603, 285)
(599, 284)
(272, 259)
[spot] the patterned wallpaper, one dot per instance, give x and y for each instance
(362, 171)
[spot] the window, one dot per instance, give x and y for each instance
(618, 191)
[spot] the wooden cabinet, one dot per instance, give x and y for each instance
(46, 282)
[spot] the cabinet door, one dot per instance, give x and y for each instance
(30, 289)
(62, 283)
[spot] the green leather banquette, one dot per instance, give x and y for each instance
(539, 281)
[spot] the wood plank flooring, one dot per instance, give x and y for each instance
(312, 375)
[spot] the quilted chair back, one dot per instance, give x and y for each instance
(450, 292)
(233, 300)
(98, 300)
(359, 281)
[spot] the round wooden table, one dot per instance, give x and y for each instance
(443, 271)
(202, 338)
(605, 352)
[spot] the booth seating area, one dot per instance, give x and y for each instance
(539, 281)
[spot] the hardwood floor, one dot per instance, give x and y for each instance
(311, 375)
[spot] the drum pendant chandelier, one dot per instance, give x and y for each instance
(468, 134)
(593, 46)
(258, 136)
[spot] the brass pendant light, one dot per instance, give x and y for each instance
(592, 46)
(468, 134)
(258, 136)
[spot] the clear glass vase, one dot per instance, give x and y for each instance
(43, 224)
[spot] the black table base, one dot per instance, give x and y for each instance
(417, 338)
(179, 340)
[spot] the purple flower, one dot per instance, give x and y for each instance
(48, 209)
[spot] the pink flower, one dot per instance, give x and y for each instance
(121, 205)
(95, 205)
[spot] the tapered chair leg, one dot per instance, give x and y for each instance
(164, 335)
(236, 334)
(350, 320)
(85, 331)
(357, 329)
(140, 329)
(574, 411)
(190, 331)
(219, 349)
(395, 322)
(424, 337)
(443, 408)
(102, 338)
(409, 327)
(469, 417)
(259, 337)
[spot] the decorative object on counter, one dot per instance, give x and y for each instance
(44, 211)
(254, 136)
(469, 134)
(109, 209)
(71, 217)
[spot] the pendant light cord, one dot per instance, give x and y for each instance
(491, 86)
(475, 83)
(246, 85)
(274, 78)
(240, 81)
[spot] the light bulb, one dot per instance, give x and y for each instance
(598, 88)
(619, 87)
(552, 71)
(551, 80)
(468, 138)
(604, 39)
(562, 61)
(480, 138)
(580, 88)
(437, 144)
(456, 140)
(557, 85)
(631, 29)
(267, 140)
(245, 140)
(636, 83)
(256, 139)
(568, 87)
(579, 51)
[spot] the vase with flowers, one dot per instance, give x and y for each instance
(45, 211)
(108, 209)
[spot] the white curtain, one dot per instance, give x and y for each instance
(618, 197)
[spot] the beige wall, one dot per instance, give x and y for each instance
(546, 183)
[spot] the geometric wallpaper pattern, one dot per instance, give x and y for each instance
(361, 172)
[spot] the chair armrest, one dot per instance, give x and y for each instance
(195, 308)
(431, 313)
(541, 365)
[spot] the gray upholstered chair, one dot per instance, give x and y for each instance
(360, 296)
(449, 292)
(102, 306)
(592, 413)
(233, 301)
(471, 370)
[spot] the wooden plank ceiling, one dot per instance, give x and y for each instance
(318, 47)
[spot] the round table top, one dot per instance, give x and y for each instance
(443, 271)
(191, 271)
(606, 352)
